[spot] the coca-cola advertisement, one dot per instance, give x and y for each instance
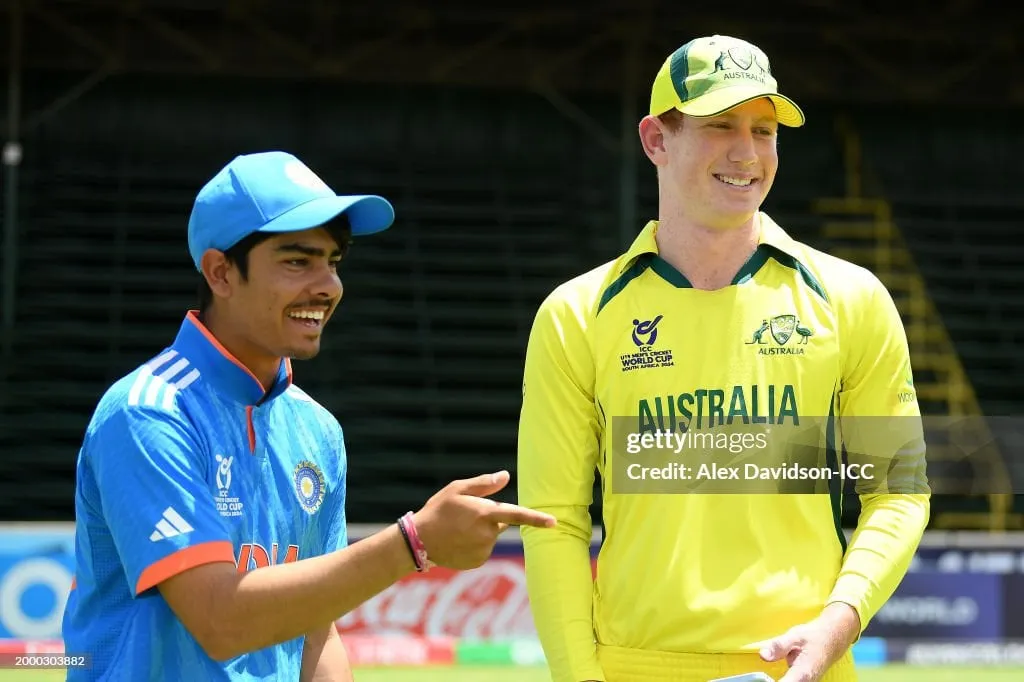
(489, 602)
(486, 603)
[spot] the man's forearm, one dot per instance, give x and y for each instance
(880, 551)
(561, 588)
(229, 613)
(279, 603)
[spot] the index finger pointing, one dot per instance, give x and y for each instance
(514, 515)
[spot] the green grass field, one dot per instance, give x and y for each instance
(891, 673)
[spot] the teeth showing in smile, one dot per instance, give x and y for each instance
(308, 315)
(734, 181)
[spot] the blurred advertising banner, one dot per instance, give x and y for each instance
(36, 569)
(942, 606)
(969, 560)
(959, 589)
(1013, 607)
(489, 602)
(931, 653)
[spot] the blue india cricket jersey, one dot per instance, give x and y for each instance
(187, 461)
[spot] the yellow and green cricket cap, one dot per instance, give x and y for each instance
(710, 75)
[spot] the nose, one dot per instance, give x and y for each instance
(743, 151)
(327, 284)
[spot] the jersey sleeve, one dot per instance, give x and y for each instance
(879, 417)
(154, 497)
(557, 457)
(880, 422)
(334, 530)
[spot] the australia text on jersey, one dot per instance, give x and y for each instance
(709, 407)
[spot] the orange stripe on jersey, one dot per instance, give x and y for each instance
(193, 317)
(250, 429)
(182, 560)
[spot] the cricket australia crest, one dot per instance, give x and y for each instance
(782, 327)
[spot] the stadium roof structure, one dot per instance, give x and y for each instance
(867, 52)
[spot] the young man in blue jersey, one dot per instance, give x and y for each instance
(207, 462)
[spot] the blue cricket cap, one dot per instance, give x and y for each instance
(274, 192)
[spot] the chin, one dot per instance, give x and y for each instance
(305, 352)
(739, 213)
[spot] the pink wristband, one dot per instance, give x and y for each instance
(418, 550)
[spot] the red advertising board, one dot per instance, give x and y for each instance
(484, 603)
(489, 601)
(371, 650)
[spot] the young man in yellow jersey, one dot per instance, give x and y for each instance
(716, 320)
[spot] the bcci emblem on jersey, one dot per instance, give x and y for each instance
(645, 334)
(309, 485)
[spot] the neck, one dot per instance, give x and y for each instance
(707, 257)
(261, 365)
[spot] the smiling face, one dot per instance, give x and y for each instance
(291, 291)
(718, 169)
(278, 303)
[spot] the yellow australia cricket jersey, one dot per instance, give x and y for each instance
(714, 545)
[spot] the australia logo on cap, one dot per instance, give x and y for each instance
(309, 485)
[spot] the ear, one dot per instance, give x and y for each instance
(652, 137)
(216, 269)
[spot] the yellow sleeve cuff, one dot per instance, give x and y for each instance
(880, 552)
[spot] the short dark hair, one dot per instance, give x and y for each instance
(339, 229)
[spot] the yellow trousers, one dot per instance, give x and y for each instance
(637, 665)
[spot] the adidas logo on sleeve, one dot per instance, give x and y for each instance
(170, 525)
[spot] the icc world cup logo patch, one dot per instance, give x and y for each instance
(309, 485)
(645, 333)
(646, 355)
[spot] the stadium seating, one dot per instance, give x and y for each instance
(954, 198)
(498, 199)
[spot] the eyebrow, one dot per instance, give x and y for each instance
(305, 250)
